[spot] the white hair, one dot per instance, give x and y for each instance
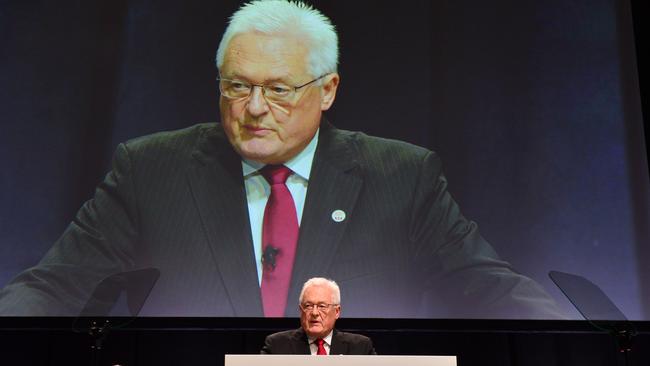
(320, 281)
(287, 18)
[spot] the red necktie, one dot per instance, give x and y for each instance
(321, 349)
(279, 241)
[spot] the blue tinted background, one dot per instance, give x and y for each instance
(533, 106)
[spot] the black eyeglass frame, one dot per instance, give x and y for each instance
(321, 307)
(264, 87)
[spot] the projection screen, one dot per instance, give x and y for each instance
(533, 109)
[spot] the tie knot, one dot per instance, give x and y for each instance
(276, 174)
(320, 342)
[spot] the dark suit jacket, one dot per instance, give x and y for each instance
(176, 201)
(295, 342)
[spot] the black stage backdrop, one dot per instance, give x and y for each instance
(533, 106)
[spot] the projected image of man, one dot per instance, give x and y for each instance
(238, 215)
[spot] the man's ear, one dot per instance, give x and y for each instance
(330, 84)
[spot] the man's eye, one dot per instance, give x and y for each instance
(278, 89)
(239, 86)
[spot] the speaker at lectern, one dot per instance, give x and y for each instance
(338, 360)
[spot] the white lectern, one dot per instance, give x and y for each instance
(338, 360)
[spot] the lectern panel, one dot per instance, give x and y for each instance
(341, 360)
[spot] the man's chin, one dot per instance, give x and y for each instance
(260, 156)
(316, 331)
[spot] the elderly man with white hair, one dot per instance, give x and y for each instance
(320, 307)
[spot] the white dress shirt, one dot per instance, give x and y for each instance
(313, 346)
(258, 191)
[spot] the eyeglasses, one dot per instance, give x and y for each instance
(274, 92)
(321, 307)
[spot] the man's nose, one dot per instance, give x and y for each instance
(257, 105)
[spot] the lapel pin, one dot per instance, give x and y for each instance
(338, 215)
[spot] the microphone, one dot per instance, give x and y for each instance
(268, 257)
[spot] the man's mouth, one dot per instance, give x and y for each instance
(257, 130)
(255, 127)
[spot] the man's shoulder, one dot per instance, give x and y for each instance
(287, 334)
(375, 147)
(377, 156)
(351, 344)
(351, 337)
(177, 139)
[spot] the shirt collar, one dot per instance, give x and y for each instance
(327, 338)
(299, 164)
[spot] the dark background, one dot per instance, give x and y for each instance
(533, 106)
(201, 342)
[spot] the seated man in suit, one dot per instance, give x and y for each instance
(237, 215)
(320, 307)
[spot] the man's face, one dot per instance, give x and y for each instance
(318, 323)
(261, 131)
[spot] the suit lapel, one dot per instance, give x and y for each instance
(339, 346)
(334, 184)
(218, 189)
(300, 343)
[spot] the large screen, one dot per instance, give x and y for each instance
(532, 107)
